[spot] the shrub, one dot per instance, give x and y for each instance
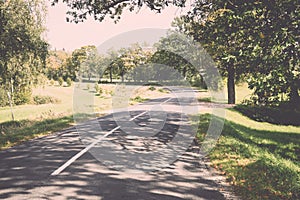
(69, 82)
(52, 82)
(152, 88)
(19, 97)
(96, 87)
(22, 97)
(41, 80)
(38, 99)
(162, 90)
(199, 82)
(100, 91)
(138, 99)
(3, 98)
(60, 81)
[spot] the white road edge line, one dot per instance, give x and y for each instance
(83, 151)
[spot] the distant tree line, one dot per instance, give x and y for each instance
(136, 64)
(255, 41)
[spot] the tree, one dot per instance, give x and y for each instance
(172, 58)
(217, 30)
(23, 50)
(77, 63)
(276, 57)
(79, 10)
(255, 36)
(260, 38)
(110, 58)
(57, 64)
(122, 62)
(130, 58)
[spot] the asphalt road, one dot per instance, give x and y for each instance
(85, 163)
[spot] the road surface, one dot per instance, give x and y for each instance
(66, 164)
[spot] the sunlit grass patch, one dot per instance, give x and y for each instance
(261, 163)
(16, 132)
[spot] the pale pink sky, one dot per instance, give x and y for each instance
(70, 36)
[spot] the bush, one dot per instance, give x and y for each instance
(52, 82)
(60, 81)
(138, 99)
(69, 82)
(41, 80)
(98, 89)
(152, 88)
(38, 99)
(164, 90)
(3, 98)
(19, 97)
(22, 97)
(198, 82)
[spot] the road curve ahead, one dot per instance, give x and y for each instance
(136, 154)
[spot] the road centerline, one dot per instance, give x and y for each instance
(86, 149)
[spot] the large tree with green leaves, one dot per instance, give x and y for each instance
(132, 58)
(217, 29)
(57, 62)
(23, 50)
(99, 9)
(254, 37)
(168, 53)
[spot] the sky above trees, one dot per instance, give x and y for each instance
(70, 36)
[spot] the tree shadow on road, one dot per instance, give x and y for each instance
(25, 169)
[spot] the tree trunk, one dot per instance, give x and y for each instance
(10, 98)
(122, 76)
(184, 72)
(294, 95)
(231, 84)
(110, 73)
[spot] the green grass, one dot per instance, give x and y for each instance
(37, 120)
(139, 99)
(63, 95)
(151, 88)
(242, 92)
(205, 99)
(260, 160)
(163, 90)
(16, 132)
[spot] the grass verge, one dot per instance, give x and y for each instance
(138, 99)
(205, 99)
(16, 132)
(259, 163)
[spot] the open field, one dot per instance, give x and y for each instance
(38, 120)
(65, 96)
